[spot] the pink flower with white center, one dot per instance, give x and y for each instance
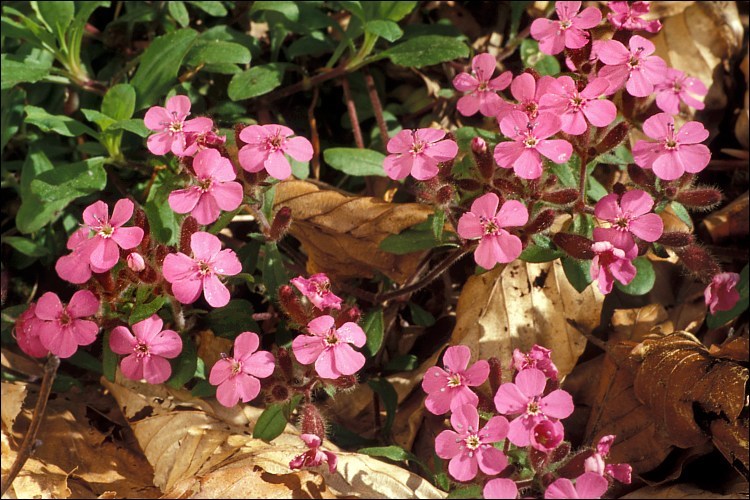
(27, 333)
(575, 108)
(555, 36)
(538, 357)
(637, 68)
(266, 146)
(722, 294)
(482, 88)
(525, 397)
(628, 216)
(547, 435)
(485, 221)
(330, 348)
(172, 128)
(237, 376)
(418, 152)
(676, 151)
(628, 16)
(63, 328)
(529, 143)
(596, 463)
(314, 456)
(148, 348)
(213, 190)
(527, 91)
(676, 87)
(449, 388)
(317, 289)
(470, 448)
(204, 140)
(191, 275)
(500, 488)
(588, 485)
(611, 262)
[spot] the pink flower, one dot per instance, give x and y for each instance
(524, 397)
(329, 347)
(190, 275)
(418, 152)
(448, 389)
(27, 333)
(596, 463)
(529, 142)
(147, 351)
(314, 456)
(574, 108)
(317, 289)
(213, 190)
(611, 262)
(204, 140)
(538, 357)
(588, 485)
(135, 262)
(485, 221)
(62, 328)
(237, 376)
(546, 435)
(636, 68)
(483, 88)
(676, 151)
(676, 87)
(471, 446)
(722, 294)
(554, 36)
(629, 215)
(265, 147)
(627, 16)
(500, 488)
(528, 92)
(172, 128)
(76, 267)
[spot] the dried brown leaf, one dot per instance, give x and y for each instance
(36, 479)
(732, 221)
(683, 492)
(13, 396)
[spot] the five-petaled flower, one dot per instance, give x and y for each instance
(26, 332)
(528, 92)
(317, 289)
(485, 221)
(266, 146)
(596, 462)
(722, 294)
(148, 348)
(314, 456)
(330, 348)
(569, 31)
(588, 485)
(574, 108)
(470, 447)
(191, 275)
(449, 388)
(525, 397)
(212, 191)
(482, 89)
(636, 68)
(538, 357)
(173, 130)
(676, 151)
(237, 376)
(629, 16)
(676, 87)
(546, 435)
(628, 215)
(418, 152)
(611, 262)
(62, 328)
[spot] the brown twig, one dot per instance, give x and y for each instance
(28, 444)
(352, 110)
(377, 107)
(306, 84)
(314, 137)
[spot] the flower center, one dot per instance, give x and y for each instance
(533, 408)
(483, 86)
(417, 147)
(670, 143)
(531, 108)
(205, 184)
(454, 380)
(677, 87)
(175, 126)
(577, 102)
(65, 318)
(331, 339)
(322, 287)
(565, 24)
(472, 442)
(141, 350)
(530, 141)
(622, 222)
(204, 268)
(489, 226)
(236, 366)
(105, 231)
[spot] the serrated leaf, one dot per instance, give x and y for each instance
(384, 28)
(373, 326)
(644, 279)
(354, 161)
(577, 272)
(271, 423)
(426, 51)
(256, 81)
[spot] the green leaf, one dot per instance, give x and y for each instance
(26, 246)
(56, 15)
(102, 120)
(60, 124)
(577, 272)
(541, 249)
(15, 71)
(405, 362)
(420, 316)
(256, 81)
(273, 270)
(438, 223)
(287, 9)
(395, 453)
(203, 389)
(68, 182)
(34, 212)
(12, 113)
(83, 359)
(681, 212)
(388, 395)
(217, 52)
(408, 241)
(183, 368)
(384, 28)
(373, 325)
(179, 12)
(271, 423)
(532, 57)
(214, 8)
(163, 221)
(644, 279)
(391, 10)
(426, 51)
(473, 491)
(159, 66)
(723, 317)
(119, 102)
(354, 161)
(232, 319)
(133, 125)
(143, 310)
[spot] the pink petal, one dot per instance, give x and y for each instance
(206, 211)
(228, 393)
(616, 76)
(638, 85)
(122, 212)
(105, 254)
(435, 378)
(83, 303)
(567, 10)
(251, 157)
(245, 344)
(531, 382)
(307, 348)
(600, 112)
(512, 214)
(491, 460)
(396, 166)
(486, 253)
(648, 227)
(508, 247)
(159, 144)
(299, 148)
(199, 125)
(529, 164)
(469, 226)
(607, 208)
(205, 163)
(468, 105)
(214, 291)
(477, 373)
(589, 18)
(557, 404)
(658, 125)
(645, 153)
(347, 361)
(456, 358)
(460, 396)
(557, 150)
(132, 367)
(352, 333)
(500, 488)
(495, 430)
(515, 123)
(692, 133)
(184, 201)
(484, 66)
(401, 142)
(226, 263)
(465, 417)
(321, 325)
(325, 365)
(591, 485)
(178, 266)
(464, 82)
(204, 245)
(121, 341)
(147, 329)
(442, 151)
(49, 307)
(485, 206)
(447, 444)
(576, 38)
(254, 134)
(506, 153)
(523, 88)
(502, 81)
(424, 167)
(277, 165)
(187, 290)
(167, 344)
(547, 32)
(694, 157)
(96, 214)
(73, 268)
(637, 202)
(128, 237)
(668, 102)
(221, 371)
(260, 364)
(613, 52)
(546, 125)
(490, 103)
(561, 488)
(438, 403)
(157, 118)
(179, 105)
(156, 369)
(462, 467)
(249, 387)
(82, 331)
(428, 135)
(620, 472)
(668, 167)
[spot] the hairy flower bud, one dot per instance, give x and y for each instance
(496, 374)
(444, 195)
(576, 246)
(135, 262)
(561, 197)
(279, 393)
(699, 198)
(615, 136)
(542, 221)
(311, 421)
(291, 305)
(161, 252)
(345, 382)
(478, 145)
(189, 226)
(560, 452)
(676, 239)
(469, 184)
(640, 176)
(699, 261)
(285, 363)
(351, 314)
(510, 186)
(140, 220)
(281, 223)
(484, 159)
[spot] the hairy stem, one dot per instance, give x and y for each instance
(352, 110)
(377, 107)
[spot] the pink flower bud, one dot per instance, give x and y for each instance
(135, 262)
(478, 145)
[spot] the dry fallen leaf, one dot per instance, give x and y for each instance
(682, 492)
(13, 396)
(732, 221)
(36, 479)
(341, 233)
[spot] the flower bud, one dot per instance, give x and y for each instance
(345, 382)
(351, 314)
(161, 252)
(281, 223)
(561, 197)
(469, 184)
(560, 452)
(285, 363)
(533, 73)
(483, 158)
(141, 221)
(574, 245)
(614, 137)
(508, 186)
(698, 261)
(291, 305)
(478, 145)
(699, 198)
(311, 421)
(444, 195)
(135, 262)
(579, 56)
(543, 221)
(676, 239)
(641, 176)
(496, 374)
(189, 226)
(279, 393)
